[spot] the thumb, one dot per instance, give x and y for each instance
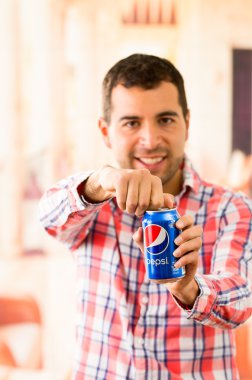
(169, 200)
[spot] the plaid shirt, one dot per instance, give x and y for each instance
(130, 328)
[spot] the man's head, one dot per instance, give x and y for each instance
(146, 120)
(145, 71)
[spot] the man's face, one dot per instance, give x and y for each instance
(147, 130)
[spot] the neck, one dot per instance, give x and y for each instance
(175, 184)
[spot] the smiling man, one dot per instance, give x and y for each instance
(129, 327)
(147, 129)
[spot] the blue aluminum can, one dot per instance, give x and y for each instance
(159, 233)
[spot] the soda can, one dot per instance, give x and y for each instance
(159, 232)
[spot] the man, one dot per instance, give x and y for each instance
(128, 326)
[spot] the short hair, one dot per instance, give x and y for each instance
(142, 70)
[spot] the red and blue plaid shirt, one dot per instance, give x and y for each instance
(130, 328)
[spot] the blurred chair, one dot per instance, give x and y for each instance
(243, 351)
(20, 333)
(6, 356)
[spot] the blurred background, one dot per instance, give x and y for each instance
(53, 56)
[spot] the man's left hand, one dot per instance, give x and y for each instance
(188, 244)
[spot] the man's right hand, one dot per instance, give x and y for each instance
(135, 190)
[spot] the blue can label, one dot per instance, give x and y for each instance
(159, 234)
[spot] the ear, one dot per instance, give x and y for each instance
(104, 128)
(187, 121)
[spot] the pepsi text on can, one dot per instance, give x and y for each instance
(159, 232)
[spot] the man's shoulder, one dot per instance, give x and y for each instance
(209, 188)
(225, 196)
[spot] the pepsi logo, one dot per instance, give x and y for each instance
(156, 239)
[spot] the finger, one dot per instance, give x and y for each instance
(138, 238)
(168, 200)
(143, 197)
(132, 194)
(190, 259)
(121, 188)
(188, 234)
(184, 222)
(191, 245)
(157, 196)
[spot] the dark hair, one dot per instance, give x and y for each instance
(142, 70)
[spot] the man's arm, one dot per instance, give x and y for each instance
(223, 298)
(64, 215)
(68, 208)
(135, 190)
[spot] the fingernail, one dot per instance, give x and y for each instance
(177, 252)
(180, 224)
(172, 201)
(178, 240)
(177, 265)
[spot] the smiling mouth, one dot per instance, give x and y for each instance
(149, 161)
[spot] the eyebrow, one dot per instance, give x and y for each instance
(168, 113)
(129, 117)
(161, 114)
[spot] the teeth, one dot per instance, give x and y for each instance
(151, 161)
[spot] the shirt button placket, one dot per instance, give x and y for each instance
(145, 300)
(139, 342)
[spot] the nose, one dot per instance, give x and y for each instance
(150, 136)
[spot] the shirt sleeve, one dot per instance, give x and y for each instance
(225, 294)
(64, 214)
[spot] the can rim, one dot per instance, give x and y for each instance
(162, 210)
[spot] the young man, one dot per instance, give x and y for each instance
(129, 327)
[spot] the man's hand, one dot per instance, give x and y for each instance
(135, 190)
(189, 243)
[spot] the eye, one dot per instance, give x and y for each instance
(131, 124)
(166, 120)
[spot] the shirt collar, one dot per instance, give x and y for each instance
(191, 178)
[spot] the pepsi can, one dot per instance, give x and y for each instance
(159, 232)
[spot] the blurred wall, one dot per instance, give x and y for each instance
(54, 54)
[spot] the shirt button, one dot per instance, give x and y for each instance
(145, 299)
(139, 341)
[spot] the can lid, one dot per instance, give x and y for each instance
(162, 209)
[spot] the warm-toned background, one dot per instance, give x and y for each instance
(53, 56)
